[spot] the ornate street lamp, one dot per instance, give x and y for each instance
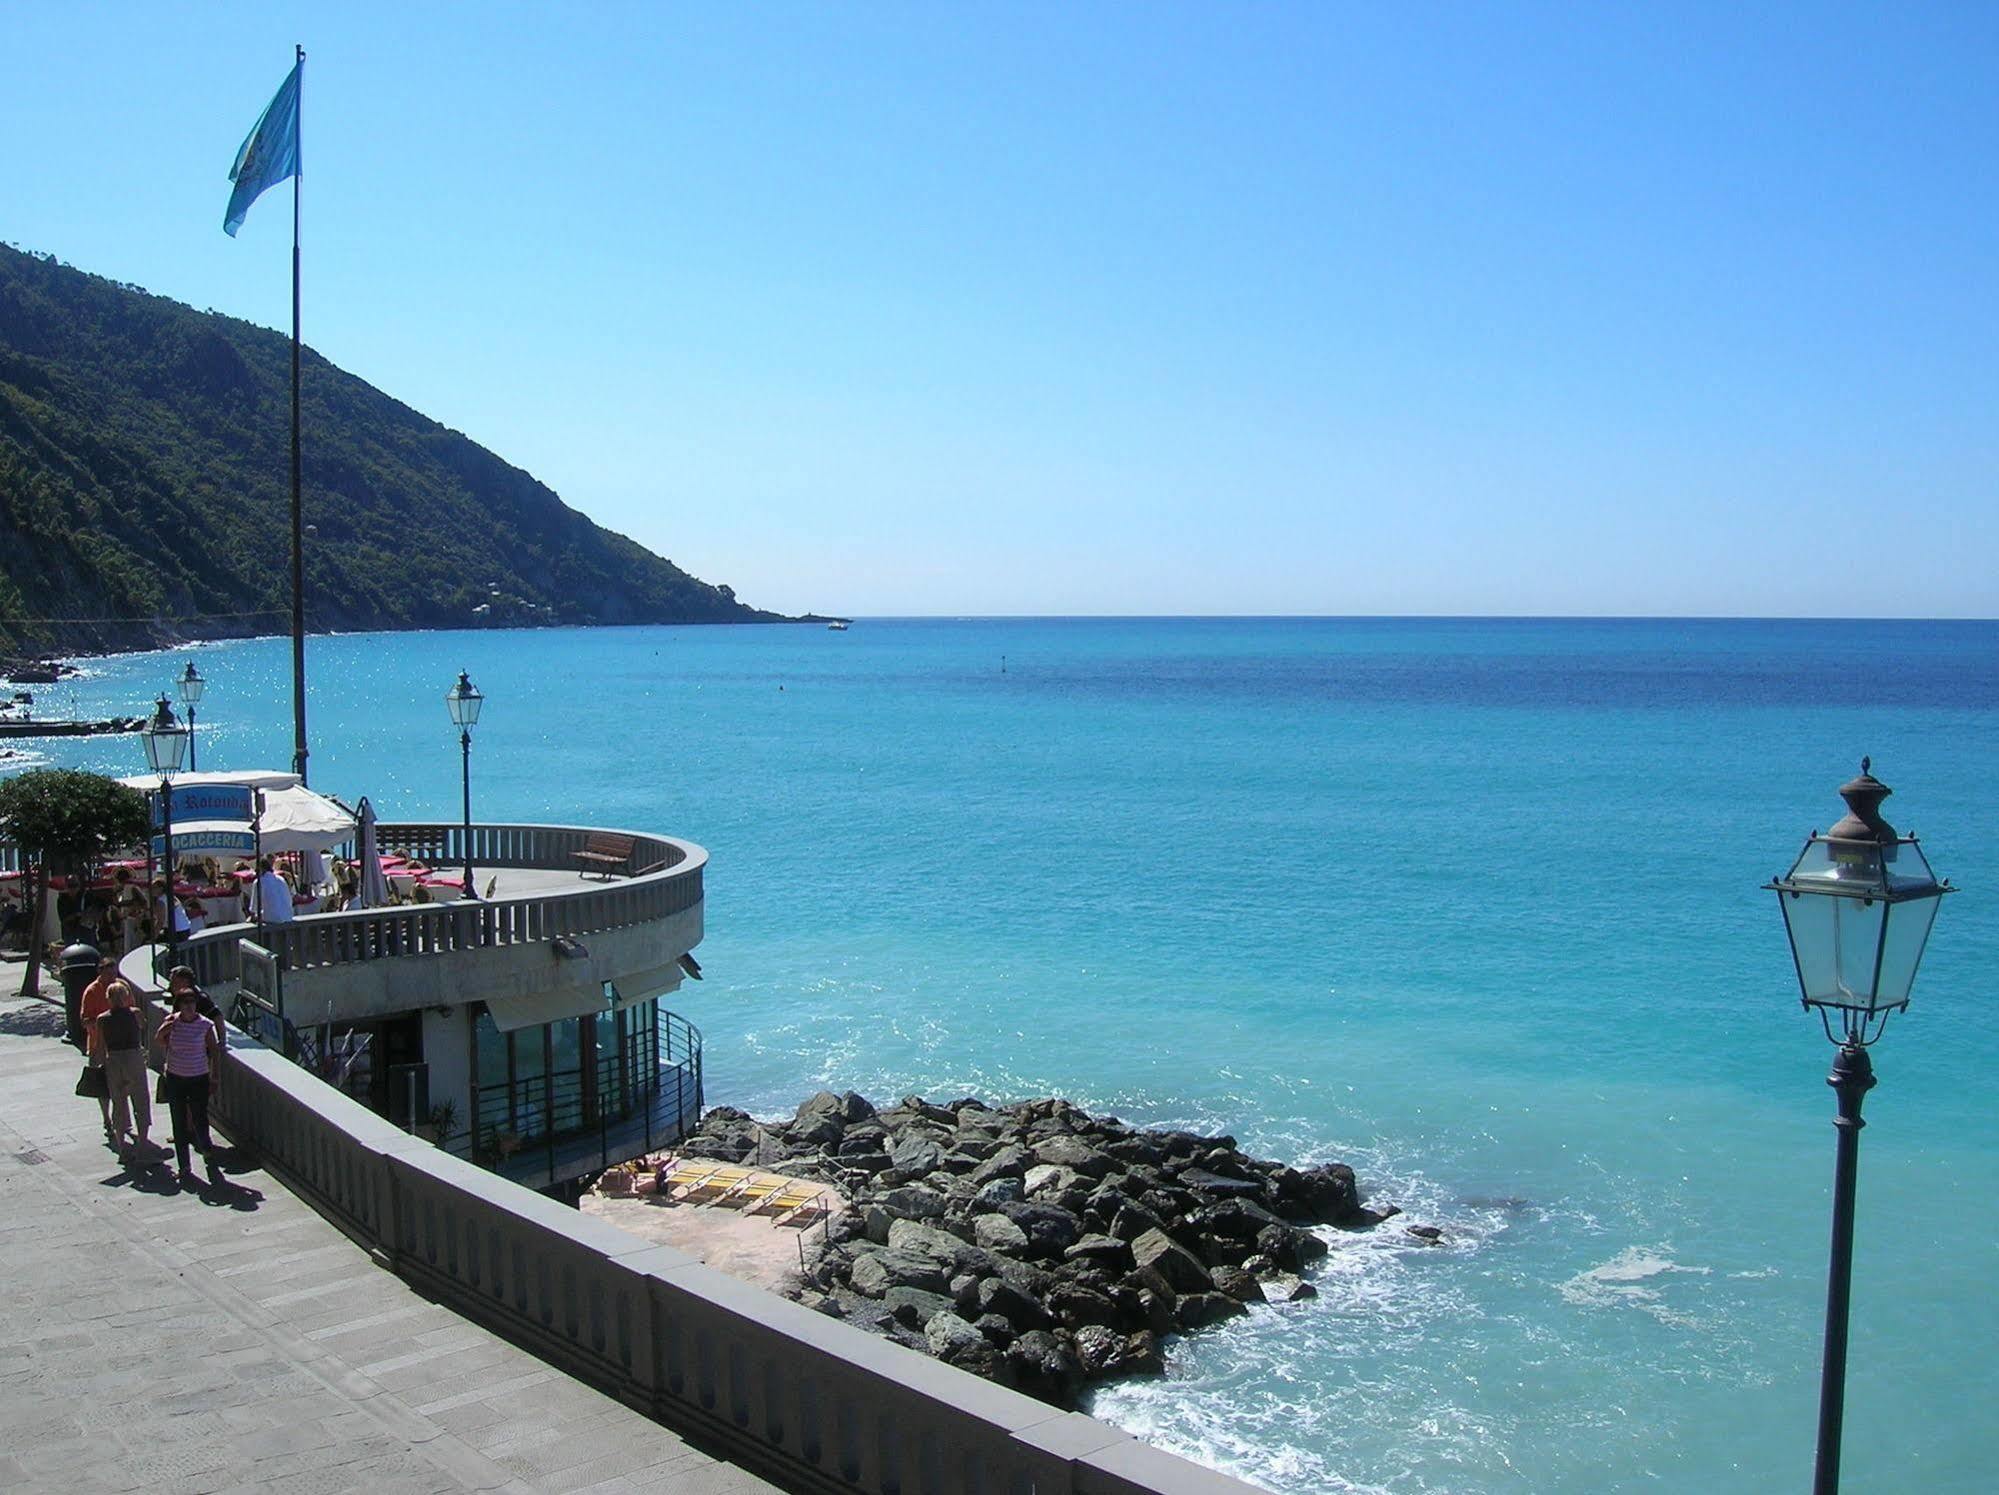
(1858, 904)
(191, 687)
(463, 702)
(166, 743)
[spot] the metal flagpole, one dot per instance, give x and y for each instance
(298, 551)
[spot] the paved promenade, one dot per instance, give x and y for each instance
(230, 1339)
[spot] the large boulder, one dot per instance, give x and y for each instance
(914, 1308)
(1198, 1310)
(1180, 1268)
(1326, 1195)
(1235, 1219)
(1010, 1161)
(915, 1155)
(1051, 1230)
(946, 1331)
(1075, 1154)
(1044, 1368)
(1017, 1306)
(877, 1272)
(1050, 1179)
(1106, 1251)
(1075, 1306)
(1282, 1287)
(1218, 1185)
(1133, 1219)
(916, 1105)
(911, 1202)
(996, 1232)
(914, 1238)
(864, 1137)
(995, 1192)
(820, 1120)
(1238, 1284)
(1288, 1246)
(1108, 1354)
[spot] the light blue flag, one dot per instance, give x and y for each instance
(269, 155)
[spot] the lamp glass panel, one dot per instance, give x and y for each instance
(165, 748)
(1840, 864)
(464, 706)
(1902, 948)
(191, 687)
(1837, 941)
(1908, 870)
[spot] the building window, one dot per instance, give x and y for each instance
(565, 1077)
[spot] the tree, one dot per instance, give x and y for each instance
(64, 820)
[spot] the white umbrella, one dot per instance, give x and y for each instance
(374, 889)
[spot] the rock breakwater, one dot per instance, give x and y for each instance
(1035, 1244)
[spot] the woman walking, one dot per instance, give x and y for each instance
(193, 1050)
(118, 1042)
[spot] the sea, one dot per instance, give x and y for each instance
(1473, 905)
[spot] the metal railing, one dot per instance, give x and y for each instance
(668, 881)
(635, 1103)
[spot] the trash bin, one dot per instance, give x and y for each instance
(79, 969)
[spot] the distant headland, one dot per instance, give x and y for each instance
(145, 500)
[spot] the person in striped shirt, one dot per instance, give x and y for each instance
(193, 1052)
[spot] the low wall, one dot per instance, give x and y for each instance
(811, 1403)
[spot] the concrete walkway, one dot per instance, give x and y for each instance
(230, 1339)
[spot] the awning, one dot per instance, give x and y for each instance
(295, 818)
(533, 1011)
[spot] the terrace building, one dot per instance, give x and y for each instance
(526, 1029)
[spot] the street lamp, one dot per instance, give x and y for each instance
(463, 702)
(1858, 904)
(191, 687)
(166, 743)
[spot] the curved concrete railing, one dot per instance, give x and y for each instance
(812, 1403)
(670, 883)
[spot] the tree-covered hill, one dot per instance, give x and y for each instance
(145, 478)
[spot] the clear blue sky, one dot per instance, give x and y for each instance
(1151, 308)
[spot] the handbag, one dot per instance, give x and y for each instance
(93, 1083)
(160, 1089)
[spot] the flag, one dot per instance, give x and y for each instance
(270, 153)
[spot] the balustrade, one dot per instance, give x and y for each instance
(812, 1403)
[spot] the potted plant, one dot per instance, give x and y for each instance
(440, 1124)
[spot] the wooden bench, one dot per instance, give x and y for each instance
(606, 853)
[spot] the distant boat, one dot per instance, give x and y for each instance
(838, 625)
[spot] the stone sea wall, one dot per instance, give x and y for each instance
(1035, 1244)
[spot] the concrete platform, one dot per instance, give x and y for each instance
(229, 1339)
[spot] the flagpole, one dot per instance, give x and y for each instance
(298, 550)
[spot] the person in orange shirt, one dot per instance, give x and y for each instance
(95, 1002)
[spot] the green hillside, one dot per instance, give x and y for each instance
(145, 478)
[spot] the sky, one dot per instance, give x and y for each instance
(1159, 308)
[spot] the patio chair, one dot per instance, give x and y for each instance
(706, 1189)
(795, 1205)
(752, 1192)
(683, 1176)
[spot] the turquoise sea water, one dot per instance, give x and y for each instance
(1472, 905)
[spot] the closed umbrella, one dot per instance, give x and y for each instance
(374, 891)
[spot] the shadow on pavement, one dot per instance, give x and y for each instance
(41, 1019)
